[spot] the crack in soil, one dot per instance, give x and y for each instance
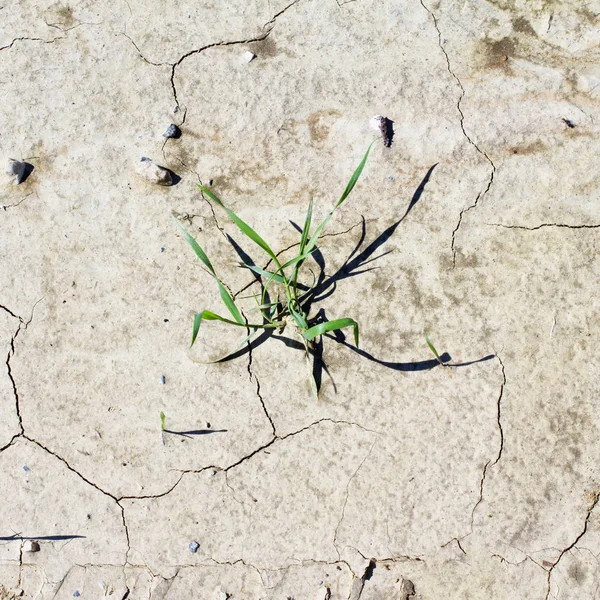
(11, 352)
(483, 153)
(489, 463)
(571, 546)
(254, 378)
(335, 533)
(6, 206)
(28, 39)
(499, 416)
(270, 24)
(543, 225)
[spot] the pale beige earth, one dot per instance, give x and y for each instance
(405, 479)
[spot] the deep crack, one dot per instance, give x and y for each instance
(254, 378)
(483, 153)
(65, 462)
(499, 415)
(11, 352)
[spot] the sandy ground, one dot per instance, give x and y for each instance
(479, 224)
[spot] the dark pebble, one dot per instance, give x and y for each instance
(172, 132)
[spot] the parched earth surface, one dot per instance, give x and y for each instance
(479, 224)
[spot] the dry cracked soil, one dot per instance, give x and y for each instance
(479, 224)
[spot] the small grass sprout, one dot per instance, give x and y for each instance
(276, 313)
(435, 352)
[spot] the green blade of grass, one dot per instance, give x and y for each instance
(322, 328)
(355, 176)
(225, 297)
(243, 227)
(432, 348)
(297, 315)
(264, 273)
(349, 188)
(230, 304)
(162, 420)
(207, 315)
(196, 247)
(297, 259)
(306, 228)
(303, 240)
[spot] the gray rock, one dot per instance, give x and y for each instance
(18, 170)
(172, 132)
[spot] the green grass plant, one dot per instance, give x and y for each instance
(435, 352)
(275, 314)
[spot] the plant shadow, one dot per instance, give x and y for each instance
(359, 261)
(194, 432)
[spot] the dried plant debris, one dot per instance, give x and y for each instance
(386, 127)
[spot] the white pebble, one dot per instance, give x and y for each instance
(31, 546)
(249, 56)
(17, 169)
(153, 173)
(375, 122)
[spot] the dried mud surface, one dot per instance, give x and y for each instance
(479, 224)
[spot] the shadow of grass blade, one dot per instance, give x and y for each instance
(321, 328)
(243, 227)
(229, 354)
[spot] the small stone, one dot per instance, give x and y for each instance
(210, 182)
(25, 468)
(18, 170)
(162, 249)
(153, 173)
(31, 546)
(249, 56)
(193, 546)
(163, 379)
(172, 132)
(76, 594)
(207, 425)
(407, 589)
